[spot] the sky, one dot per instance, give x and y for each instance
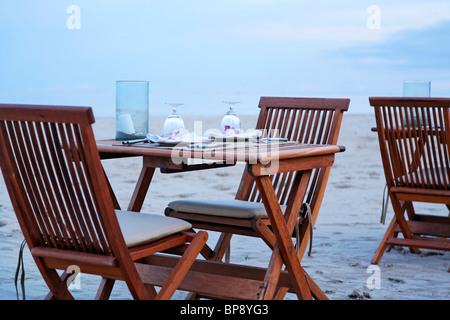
(203, 52)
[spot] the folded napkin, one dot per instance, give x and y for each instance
(178, 136)
(249, 134)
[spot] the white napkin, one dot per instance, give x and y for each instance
(177, 137)
(249, 134)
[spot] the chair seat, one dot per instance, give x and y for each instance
(140, 228)
(224, 208)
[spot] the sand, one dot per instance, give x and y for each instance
(346, 234)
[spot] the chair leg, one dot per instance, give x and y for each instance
(56, 283)
(50, 295)
(151, 290)
(217, 254)
(399, 210)
(182, 267)
(264, 232)
(192, 296)
(383, 244)
(222, 246)
(104, 291)
(316, 292)
(206, 251)
(410, 210)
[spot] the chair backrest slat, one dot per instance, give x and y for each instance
(306, 120)
(49, 176)
(93, 223)
(20, 170)
(414, 141)
(80, 194)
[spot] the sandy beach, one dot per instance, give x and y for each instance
(346, 234)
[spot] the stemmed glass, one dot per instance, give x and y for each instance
(173, 121)
(231, 124)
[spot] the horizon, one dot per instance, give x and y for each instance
(201, 53)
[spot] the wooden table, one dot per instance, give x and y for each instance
(231, 280)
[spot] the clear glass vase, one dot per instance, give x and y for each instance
(416, 89)
(131, 110)
(421, 89)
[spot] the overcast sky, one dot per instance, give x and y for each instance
(202, 52)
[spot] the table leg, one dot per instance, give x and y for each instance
(283, 226)
(111, 192)
(136, 202)
(140, 191)
(305, 237)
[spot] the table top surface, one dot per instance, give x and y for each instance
(236, 151)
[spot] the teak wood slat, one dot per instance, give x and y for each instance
(51, 166)
(295, 162)
(304, 157)
(307, 121)
(414, 138)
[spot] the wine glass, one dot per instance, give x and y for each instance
(173, 124)
(231, 124)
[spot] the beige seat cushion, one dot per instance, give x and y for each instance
(139, 228)
(223, 208)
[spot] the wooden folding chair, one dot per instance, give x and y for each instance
(414, 140)
(59, 192)
(306, 120)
